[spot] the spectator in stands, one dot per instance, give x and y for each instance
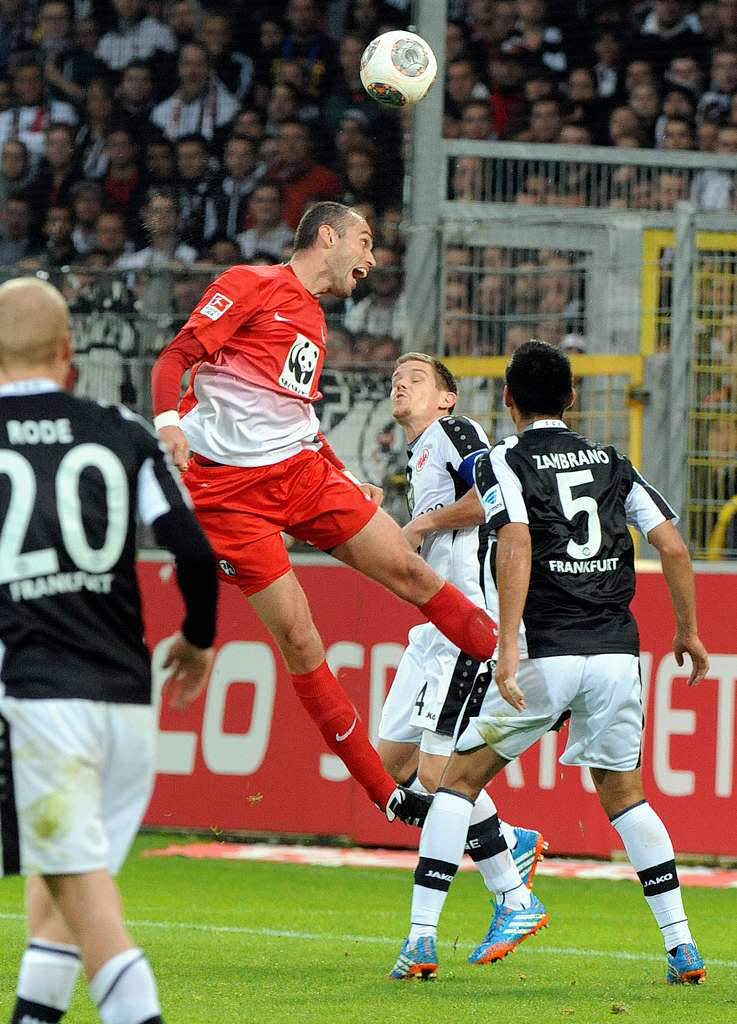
(307, 44)
(15, 32)
(458, 263)
(467, 180)
(670, 188)
(491, 25)
(686, 73)
(623, 121)
(266, 232)
(184, 18)
(233, 68)
(515, 335)
(69, 69)
(457, 42)
(113, 241)
(506, 72)
(545, 121)
(728, 22)
(463, 84)
(476, 122)
(709, 19)
(135, 100)
(87, 207)
(123, 185)
(284, 104)
(201, 105)
(17, 238)
(242, 174)
(33, 110)
(645, 102)
(525, 288)
(678, 133)
(712, 189)
(638, 72)
(249, 122)
(159, 163)
(346, 91)
(607, 69)
(136, 36)
(491, 307)
(58, 249)
(91, 139)
(302, 179)
(60, 170)
(678, 102)
(537, 38)
(669, 29)
(16, 172)
(722, 83)
(361, 178)
(575, 135)
(382, 312)
(223, 251)
(197, 191)
(389, 228)
(160, 216)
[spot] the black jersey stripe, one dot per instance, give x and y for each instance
(9, 836)
(461, 682)
(657, 498)
(473, 705)
(463, 435)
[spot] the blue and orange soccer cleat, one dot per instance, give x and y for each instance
(685, 967)
(418, 961)
(507, 929)
(528, 853)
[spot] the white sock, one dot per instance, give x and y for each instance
(650, 852)
(486, 843)
(416, 787)
(124, 989)
(48, 973)
(441, 849)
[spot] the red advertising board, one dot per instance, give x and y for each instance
(246, 757)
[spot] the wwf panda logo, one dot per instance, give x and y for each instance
(300, 367)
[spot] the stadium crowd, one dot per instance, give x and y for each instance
(141, 143)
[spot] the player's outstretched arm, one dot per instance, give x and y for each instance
(678, 573)
(513, 565)
(462, 514)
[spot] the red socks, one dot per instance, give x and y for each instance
(464, 624)
(328, 706)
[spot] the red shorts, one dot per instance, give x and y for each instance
(244, 512)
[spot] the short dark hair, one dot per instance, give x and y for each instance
(540, 379)
(334, 214)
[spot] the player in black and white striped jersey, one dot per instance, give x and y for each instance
(438, 688)
(76, 722)
(559, 506)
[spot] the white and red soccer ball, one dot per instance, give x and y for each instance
(398, 68)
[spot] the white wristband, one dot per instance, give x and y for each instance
(170, 418)
(350, 476)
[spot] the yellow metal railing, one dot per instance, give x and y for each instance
(716, 547)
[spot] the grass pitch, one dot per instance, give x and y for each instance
(238, 942)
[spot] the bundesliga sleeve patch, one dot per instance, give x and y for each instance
(216, 305)
(493, 500)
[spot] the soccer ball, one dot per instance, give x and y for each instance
(398, 68)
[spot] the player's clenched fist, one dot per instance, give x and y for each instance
(176, 441)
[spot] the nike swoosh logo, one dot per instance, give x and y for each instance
(283, 319)
(345, 735)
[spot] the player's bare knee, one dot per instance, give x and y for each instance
(430, 776)
(413, 579)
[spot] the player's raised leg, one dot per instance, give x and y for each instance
(650, 852)
(283, 607)
(381, 552)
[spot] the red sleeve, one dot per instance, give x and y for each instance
(328, 452)
(166, 376)
(230, 301)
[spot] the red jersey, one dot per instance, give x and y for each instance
(250, 402)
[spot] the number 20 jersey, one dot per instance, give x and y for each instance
(578, 498)
(73, 476)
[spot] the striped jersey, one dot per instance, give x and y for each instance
(578, 498)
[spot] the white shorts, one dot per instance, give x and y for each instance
(603, 693)
(78, 779)
(432, 693)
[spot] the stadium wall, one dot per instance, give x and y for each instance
(245, 758)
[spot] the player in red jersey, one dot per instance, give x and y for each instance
(247, 439)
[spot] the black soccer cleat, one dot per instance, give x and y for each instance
(407, 806)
